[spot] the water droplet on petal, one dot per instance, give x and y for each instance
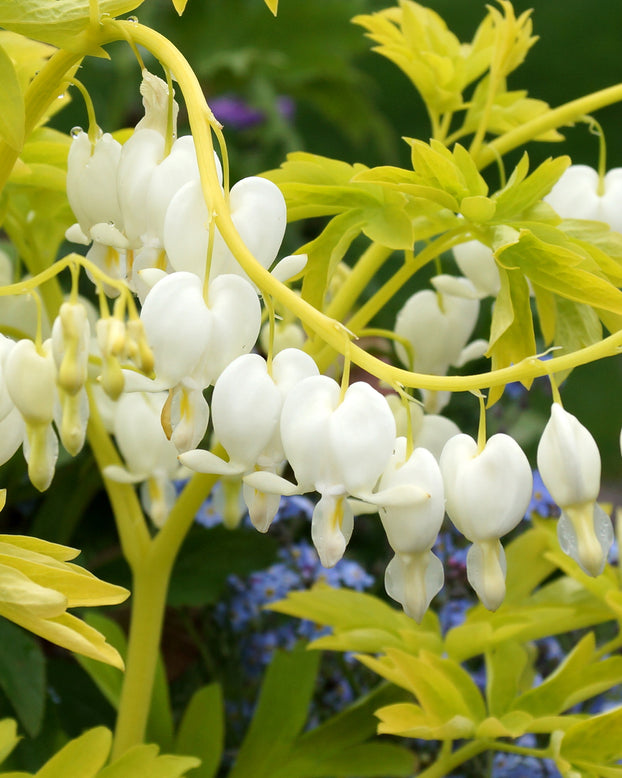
(133, 19)
(75, 132)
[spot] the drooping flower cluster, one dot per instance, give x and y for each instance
(152, 235)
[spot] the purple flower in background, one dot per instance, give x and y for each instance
(235, 113)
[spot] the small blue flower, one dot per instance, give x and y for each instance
(541, 503)
(453, 612)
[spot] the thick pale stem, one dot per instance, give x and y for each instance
(150, 586)
(557, 117)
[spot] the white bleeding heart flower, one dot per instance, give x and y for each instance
(438, 326)
(12, 429)
(92, 187)
(569, 464)
(258, 212)
(477, 263)
(150, 459)
(30, 376)
(338, 445)
(246, 411)
(487, 494)
(415, 574)
(193, 341)
(194, 338)
(578, 195)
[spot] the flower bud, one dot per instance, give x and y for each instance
(487, 495)
(71, 335)
(569, 463)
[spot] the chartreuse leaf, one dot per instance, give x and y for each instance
(82, 757)
(280, 715)
(360, 622)
(560, 267)
(580, 676)
(411, 183)
(145, 761)
(12, 116)
(508, 110)
(8, 737)
(522, 192)
(273, 5)
(595, 740)
(325, 252)
(317, 186)
(201, 732)
(449, 703)
(508, 665)
(512, 337)
(180, 6)
(62, 23)
(527, 564)
(109, 681)
(559, 606)
(22, 675)
(417, 40)
(37, 586)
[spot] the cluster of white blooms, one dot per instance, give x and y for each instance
(141, 207)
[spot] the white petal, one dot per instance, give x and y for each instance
(206, 462)
(246, 408)
(568, 459)
(585, 533)
(178, 326)
(486, 568)
(362, 435)
(413, 580)
(331, 527)
(288, 267)
(488, 492)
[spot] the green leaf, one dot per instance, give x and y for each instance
(12, 116)
(512, 337)
(506, 666)
(144, 760)
(347, 728)
(555, 264)
(22, 675)
(82, 757)
(596, 739)
(370, 760)
(522, 192)
(326, 252)
(360, 622)
(579, 677)
(528, 566)
(446, 694)
(63, 23)
(280, 715)
(108, 679)
(202, 730)
(217, 553)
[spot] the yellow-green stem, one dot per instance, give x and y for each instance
(149, 590)
(557, 117)
(461, 755)
(151, 575)
(367, 266)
